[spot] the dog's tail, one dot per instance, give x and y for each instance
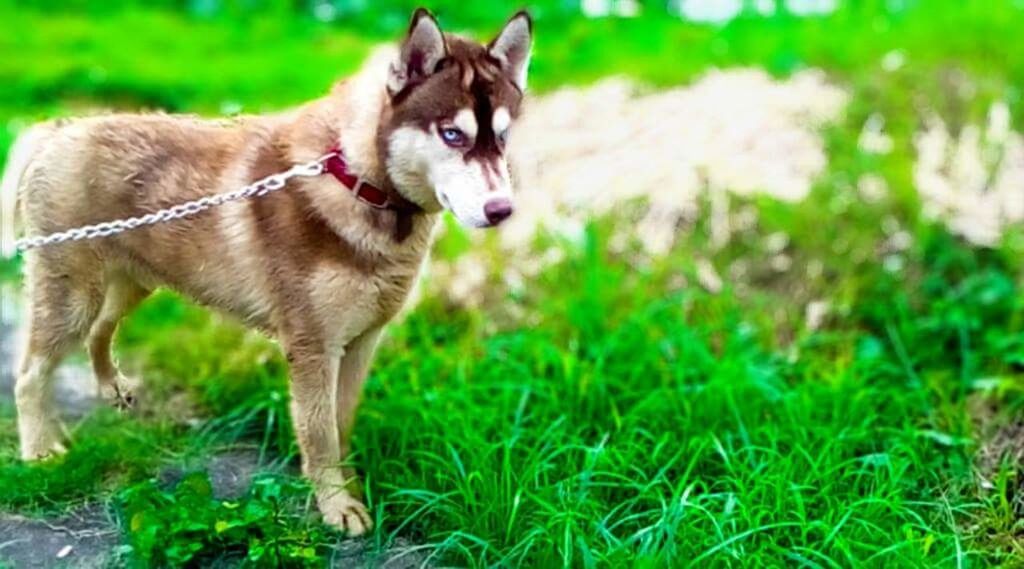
(18, 160)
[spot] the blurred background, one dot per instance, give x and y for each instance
(760, 302)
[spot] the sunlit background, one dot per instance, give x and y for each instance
(760, 303)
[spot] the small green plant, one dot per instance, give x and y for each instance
(188, 525)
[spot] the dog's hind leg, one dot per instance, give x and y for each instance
(57, 319)
(120, 297)
(40, 430)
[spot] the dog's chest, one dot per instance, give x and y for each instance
(371, 282)
(348, 302)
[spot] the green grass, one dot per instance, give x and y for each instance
(187, 525)
(110, 451)
(621, 416)
(627, 426)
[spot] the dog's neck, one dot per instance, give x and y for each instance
(349, 118)
(358, 105)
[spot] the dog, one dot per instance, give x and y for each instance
(321, 265)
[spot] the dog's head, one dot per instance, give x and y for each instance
(452, 103)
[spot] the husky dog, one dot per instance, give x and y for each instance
(321, 265)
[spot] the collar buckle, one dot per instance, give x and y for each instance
(370, 195)
(362, 190)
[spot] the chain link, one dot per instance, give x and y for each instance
(257, 189)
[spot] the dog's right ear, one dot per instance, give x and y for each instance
(422, 49)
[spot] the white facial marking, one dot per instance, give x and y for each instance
(434, 175)
(465, 120)
(501, 120)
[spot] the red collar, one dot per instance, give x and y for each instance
(364, 191)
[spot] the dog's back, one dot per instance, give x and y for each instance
(120, 166)
(107, 167)
(94, 169)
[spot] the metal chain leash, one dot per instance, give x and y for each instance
(257, 189)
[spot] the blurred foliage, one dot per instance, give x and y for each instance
(621, 415)
(254, 56)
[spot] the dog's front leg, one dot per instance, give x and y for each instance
(314, 414)
(351, 376)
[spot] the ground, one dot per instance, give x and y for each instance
(762, 305)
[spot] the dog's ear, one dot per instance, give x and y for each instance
(422, 49)
(512, 47)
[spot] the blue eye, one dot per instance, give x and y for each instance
(453, 136)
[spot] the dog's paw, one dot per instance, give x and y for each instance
(345, 513)
(44, 453)
(46, 445)
(119, 393)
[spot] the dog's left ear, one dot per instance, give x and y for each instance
(512, 48)
(422, 49)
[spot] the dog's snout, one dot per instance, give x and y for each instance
(498, 210)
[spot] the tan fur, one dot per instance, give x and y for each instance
(311, 265)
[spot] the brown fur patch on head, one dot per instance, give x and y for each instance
(468, 77)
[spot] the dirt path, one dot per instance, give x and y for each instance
(86, 537)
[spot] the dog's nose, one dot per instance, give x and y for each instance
(498, 210)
